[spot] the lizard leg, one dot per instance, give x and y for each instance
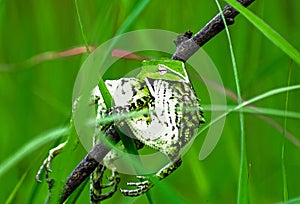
(145, 185)
(47, 162)
(97, 186)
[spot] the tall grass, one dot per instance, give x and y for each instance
(283, 168)
(35, 101)
(243, 175)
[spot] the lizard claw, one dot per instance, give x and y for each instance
(47, 162)
(37, 178)
(96, 190)
(141, 187)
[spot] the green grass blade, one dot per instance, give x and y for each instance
(268, 31)
(81, 29)
(250, 101)
(268, 94)
(13, 193)
(2, 5)
(129, 20)
(105, 93)
(255, 110)
(292, 201)
(32, 146)
(283, 169)
(133, 15)
(243, 172)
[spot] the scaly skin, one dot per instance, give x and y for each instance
(162, 89)
(174, 115)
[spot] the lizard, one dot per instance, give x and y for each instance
(163, 88)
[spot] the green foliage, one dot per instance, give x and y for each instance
(36, 85)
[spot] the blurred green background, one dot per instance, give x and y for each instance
(36, 95)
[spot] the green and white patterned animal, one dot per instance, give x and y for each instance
(163, 89)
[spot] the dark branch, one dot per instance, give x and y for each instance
(89, 163)
(186, 47)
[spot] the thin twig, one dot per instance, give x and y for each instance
(188, 47)
(89, 164)
(185, 49)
